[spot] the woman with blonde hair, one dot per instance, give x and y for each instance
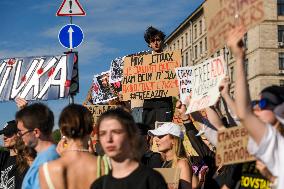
(169, 141)
(76, 168)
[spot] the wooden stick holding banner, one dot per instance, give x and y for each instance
(150, 76)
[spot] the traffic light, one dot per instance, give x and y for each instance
(74, 85)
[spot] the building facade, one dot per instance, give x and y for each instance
(264, 47)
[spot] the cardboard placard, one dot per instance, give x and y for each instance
(150, 76)
(102, 90)
(98, 110)
(36, 78)
(185, 79)
(222, 15)
(171, 176)
(232, 146)
(205, 86)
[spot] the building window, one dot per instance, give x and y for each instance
(281, 82)
(170, 48)
(190, 54)
(189, 36)
(182, 61)
(205, 43)
(195, 52)
(195, 31)
(246, 67)
(178, 44)
(281, 36)
(281, 61)
(174, 46)
(200, 27)
(182, 42)
(186, 39)
(246, 41)
(232, 73)
(186, 59)
(280, 7)
(200, 43)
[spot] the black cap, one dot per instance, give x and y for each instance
(10, 128)
(274, 94)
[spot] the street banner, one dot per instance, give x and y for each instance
(205, 85)
(185, 79)
(232, 146)
(102, 91)
(150, 76)
(223, 15)
(36, 78)
(171, 176)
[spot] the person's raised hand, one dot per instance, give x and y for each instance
(21, 103)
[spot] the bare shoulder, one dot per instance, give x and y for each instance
(182, 163)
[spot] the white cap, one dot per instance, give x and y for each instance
(167, 128)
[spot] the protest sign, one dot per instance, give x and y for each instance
(36, 78)
(116, 70)
(222, 15)
(232, 146)
(185, 79)
(205, 85)
(102, 91)
(98, 110)
(150, 76)
(171, 176)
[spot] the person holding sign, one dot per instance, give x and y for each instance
(119, 138)
(156, 109)
(266, 143)
(169, 141)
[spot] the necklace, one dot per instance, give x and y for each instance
(167, 164)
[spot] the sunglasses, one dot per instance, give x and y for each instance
(155, 39)
(263, 104)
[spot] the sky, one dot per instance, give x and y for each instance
(111, 29)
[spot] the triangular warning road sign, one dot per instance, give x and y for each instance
(70, 8)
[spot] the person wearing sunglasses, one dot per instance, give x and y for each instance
(35, 123)
(265, 142)
(12, 173)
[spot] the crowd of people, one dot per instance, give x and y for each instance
(123, 157)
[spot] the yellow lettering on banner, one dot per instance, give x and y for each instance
(251, 182)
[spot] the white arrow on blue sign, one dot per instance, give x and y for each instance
(70, 36)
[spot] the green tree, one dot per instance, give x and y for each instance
(56, 136)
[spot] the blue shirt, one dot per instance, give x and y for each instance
(31, 180)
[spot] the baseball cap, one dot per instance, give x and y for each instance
(167, 128)
(279, 113)
(9, 129)
(272, 96)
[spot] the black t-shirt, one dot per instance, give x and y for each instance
(10, 176)
(140, 178)
(152, 159)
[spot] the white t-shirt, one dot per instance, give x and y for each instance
(271, 152)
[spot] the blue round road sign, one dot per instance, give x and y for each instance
(70, 36)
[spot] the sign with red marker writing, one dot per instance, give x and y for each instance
(70, 8)
(150, 76)
(205, 84)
